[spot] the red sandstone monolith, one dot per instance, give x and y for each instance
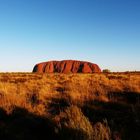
(67, 66)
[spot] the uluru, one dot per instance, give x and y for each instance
(66, 66)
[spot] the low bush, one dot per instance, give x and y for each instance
(74, 125)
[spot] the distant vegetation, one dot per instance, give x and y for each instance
(106, 71)
(102, 106)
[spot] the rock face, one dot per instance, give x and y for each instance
(66, 66)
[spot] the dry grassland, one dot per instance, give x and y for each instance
(70, 106)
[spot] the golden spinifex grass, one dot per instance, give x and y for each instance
(114, 97)
(35, 90)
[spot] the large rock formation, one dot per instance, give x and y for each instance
(66, 66)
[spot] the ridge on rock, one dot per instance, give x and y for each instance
(66, 66)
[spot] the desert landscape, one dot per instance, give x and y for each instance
(69, 69)
(74, 106)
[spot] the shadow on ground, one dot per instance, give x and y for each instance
(21, 125)
(122, 114)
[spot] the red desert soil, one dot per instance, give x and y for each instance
(66, 66)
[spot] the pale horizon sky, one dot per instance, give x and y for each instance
(105, 32)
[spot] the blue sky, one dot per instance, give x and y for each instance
(106, 32)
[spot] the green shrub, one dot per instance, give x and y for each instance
(106, 71)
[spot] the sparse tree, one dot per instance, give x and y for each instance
(106, 71)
